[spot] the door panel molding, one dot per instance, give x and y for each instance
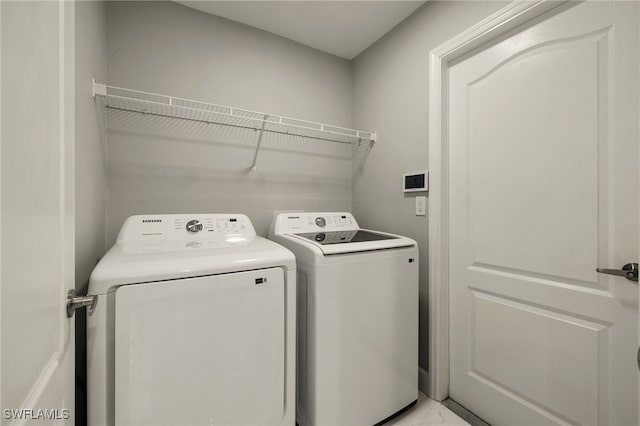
(592, 287)
(493, 318)
(597, 36)
(441, 58)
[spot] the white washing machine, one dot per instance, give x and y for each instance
(194, 325)
(357, 319)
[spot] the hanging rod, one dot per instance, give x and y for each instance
(120, 98)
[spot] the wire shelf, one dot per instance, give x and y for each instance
(169, 106)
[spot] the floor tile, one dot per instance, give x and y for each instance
(428, 412)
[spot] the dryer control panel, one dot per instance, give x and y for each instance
(294, 223)
(186, 227)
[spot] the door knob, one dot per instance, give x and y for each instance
(629, 271)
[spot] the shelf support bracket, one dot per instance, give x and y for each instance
(98, 89)
(255, 156)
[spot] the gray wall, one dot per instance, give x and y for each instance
(163, 165)
(390, 95)
(90, 181)
(91, 62)
(160, 165)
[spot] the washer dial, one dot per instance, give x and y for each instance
(194, 226)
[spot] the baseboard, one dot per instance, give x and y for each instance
(423, 381)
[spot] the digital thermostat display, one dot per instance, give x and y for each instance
(415, 182)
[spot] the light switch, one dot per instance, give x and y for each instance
(421, 206)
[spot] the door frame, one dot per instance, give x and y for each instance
(440, 60)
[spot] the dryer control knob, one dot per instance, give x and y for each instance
(194, 226)
(320, 221)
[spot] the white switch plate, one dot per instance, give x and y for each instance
(421, 206)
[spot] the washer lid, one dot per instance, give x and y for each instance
(345, 237)
(352, 241)
(159, 248)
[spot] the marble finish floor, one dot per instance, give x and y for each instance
(427, 412)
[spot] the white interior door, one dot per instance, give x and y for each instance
(543, 135)
(36, 46)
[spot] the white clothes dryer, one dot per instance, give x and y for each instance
(195, 324)
(357, 294)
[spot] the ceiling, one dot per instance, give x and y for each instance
(341, 28)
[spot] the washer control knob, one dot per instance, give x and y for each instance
(320, 221)
(194, 226)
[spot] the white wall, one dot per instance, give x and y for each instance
(160, 165)
(390, 95)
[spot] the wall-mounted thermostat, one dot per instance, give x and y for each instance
(415, 182)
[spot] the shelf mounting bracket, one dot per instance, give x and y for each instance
(255, 156)
(98, 89)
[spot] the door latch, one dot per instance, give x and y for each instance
(76, 302)
(629, 271)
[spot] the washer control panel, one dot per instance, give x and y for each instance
(191, 227)
(293, 223)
